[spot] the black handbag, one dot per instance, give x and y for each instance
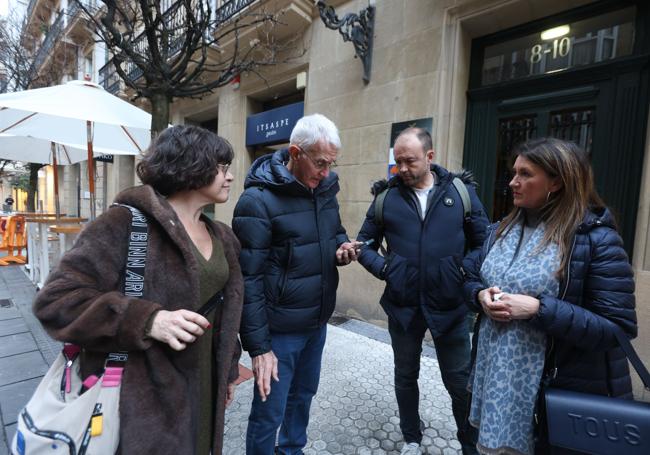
(597, 424)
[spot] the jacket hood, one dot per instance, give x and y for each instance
(596, 217)
(270, 171)
(443, 175)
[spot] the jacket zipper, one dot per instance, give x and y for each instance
(435, 199)
(568, 272)
(322, 265)
(562, 296)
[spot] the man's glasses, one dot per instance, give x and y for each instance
(223, 168)
(319, 164)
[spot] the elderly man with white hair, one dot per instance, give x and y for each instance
(288, 223)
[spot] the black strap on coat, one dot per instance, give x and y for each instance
(631, 354)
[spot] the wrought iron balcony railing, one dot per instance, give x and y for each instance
(52, 36)
(229, 9)
(57, 29)
(174, 18)
(109, 79)
(74, 9)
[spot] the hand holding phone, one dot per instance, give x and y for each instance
(347, 252)
(359, 245)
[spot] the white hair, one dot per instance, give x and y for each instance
(313, 128)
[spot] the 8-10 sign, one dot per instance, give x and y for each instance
(560, 48)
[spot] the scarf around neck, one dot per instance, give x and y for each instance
(510, 355)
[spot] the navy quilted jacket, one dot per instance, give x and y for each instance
(596, 290)
(289, 238)
(423, 268)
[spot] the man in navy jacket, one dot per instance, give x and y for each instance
(288, 223)
(427, 234)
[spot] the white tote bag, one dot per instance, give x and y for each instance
(59, 420)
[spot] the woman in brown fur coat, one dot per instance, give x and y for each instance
(181, 369)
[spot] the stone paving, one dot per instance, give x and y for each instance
(25, 349)
(354, 411)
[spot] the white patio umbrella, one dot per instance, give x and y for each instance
(74, 113)
(34, 150)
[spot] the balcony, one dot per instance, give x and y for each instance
(76, 28)
(109, 79)
(63, 30)
(53, 35)
(174, 19)
(229, 9)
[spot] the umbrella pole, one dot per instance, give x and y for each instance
(91, 172)
(55, 168)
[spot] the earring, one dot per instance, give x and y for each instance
(548, 196)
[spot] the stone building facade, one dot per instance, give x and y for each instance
(450, 63)
(482, 74)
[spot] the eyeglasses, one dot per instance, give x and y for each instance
(223, 168)
(319, 164)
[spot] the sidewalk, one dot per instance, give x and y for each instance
(354, 411)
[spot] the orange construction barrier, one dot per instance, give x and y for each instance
(14, 239)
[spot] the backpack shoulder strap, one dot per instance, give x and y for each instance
(379, 207)
(464, 196)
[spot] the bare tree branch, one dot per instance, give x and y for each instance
(164, 50)
(17, 62)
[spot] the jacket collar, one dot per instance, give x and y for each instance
(597, 217)
(270, 171)
(156, 207)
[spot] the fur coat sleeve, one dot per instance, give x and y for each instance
(82, 302)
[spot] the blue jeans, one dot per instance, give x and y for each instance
(453, 353)
(299, 360)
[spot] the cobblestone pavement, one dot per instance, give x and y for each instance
(354, 411)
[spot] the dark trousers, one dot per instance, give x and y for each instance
(287, 407)
(453, 352)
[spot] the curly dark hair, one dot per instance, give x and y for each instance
(183, 158)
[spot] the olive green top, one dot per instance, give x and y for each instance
(213, 274)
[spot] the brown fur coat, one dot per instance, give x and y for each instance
(82, 303)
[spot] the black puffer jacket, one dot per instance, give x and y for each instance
(289, 238)
(423, 269)
(597, 288)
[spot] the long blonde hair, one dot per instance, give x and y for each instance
(565, 208)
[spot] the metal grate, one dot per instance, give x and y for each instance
(575, 125)
(512, 131)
